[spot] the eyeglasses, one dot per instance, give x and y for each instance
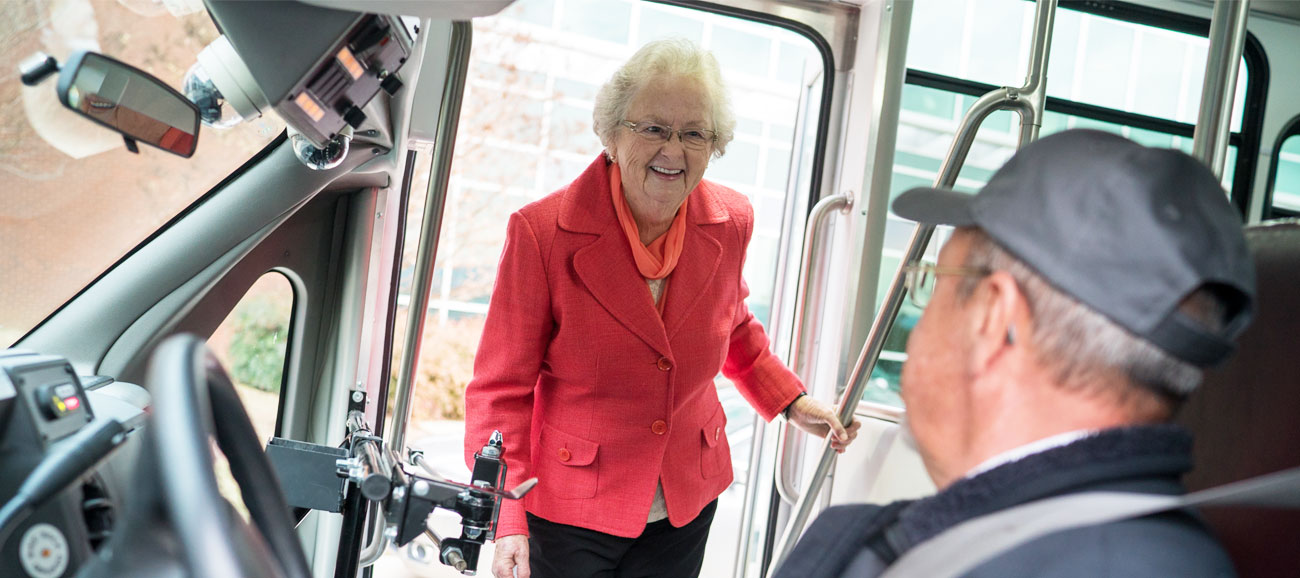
(691, 138)
(920, 278)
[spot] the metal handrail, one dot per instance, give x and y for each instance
(1219, 89)
(1027, 101)
(427, 250)
(426, 253)
(374, 550)
(759, 425)
(374, 463)
(798, 362)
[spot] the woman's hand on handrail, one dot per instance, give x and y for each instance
(817, 418)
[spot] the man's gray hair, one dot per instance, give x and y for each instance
(1081, 344)
(674, 57)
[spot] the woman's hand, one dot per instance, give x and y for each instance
(511, 554)
(818, 418)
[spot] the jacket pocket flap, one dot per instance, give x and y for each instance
(567, 449)
(713, 429)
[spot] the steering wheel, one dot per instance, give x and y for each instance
(193, 399)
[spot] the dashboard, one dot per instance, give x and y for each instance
(67, 444)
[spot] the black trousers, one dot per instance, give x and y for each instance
(661, 551)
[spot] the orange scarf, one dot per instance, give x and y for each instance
(656, 260)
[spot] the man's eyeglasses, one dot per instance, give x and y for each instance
(692, 138)
(920, 278)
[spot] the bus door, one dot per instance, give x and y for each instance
(526, 129)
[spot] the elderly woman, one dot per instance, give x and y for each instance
(618, 299)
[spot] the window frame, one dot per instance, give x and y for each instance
(291, 333)
(1247, 140)
(1271, 212)
(816, 178)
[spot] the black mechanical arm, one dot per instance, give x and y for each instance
(364, 474)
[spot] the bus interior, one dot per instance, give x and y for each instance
(273, 305)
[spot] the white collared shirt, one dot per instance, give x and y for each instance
(1029, 449)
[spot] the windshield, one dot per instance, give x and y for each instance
(74, 200)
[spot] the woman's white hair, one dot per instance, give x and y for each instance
(673, 57)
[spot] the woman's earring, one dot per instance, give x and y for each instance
(1011, 335)
(609, 156)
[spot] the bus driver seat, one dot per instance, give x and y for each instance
(1244, 415)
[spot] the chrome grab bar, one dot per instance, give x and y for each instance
(373, 550)
(1227, 39)
(786, 487)
(1027, 101)
(427, 251)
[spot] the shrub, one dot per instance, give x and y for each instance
(257, 348)
(446, 366)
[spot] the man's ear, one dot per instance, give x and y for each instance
(998, 303)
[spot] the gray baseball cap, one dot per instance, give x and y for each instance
(1125, 229)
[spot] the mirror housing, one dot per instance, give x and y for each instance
(129, 101)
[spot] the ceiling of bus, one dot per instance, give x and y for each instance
(1289, 9)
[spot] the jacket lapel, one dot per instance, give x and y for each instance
(701, 257)
(608, 271)
(605, 266)
(615, 282)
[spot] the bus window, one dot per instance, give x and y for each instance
(1286, 179)
(1132, 78)
(250, 344)
(76, 201)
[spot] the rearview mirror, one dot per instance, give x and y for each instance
(129, 101)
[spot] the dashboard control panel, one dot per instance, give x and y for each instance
(43, 409)
(46, 394)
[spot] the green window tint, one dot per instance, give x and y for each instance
(1229, 167)
(1286, 184)
(929, 102)
(1152, 138)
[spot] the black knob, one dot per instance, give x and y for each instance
(37, 67)
(391, 84)
(354, 117)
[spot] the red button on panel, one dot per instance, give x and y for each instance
(659, 427)
(565, 455)
(664, 364)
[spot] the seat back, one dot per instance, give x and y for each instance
(1245, 415)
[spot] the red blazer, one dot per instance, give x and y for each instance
(595, 394)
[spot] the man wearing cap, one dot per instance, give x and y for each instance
(1073, 309)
